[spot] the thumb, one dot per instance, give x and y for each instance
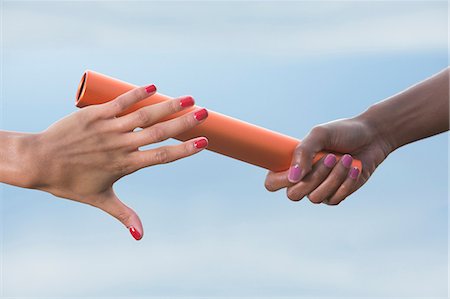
(116, 208)
(304, 153)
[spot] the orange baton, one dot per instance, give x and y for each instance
(226, 135)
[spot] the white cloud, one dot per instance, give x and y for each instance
(218, 255)
(287, 29)
(366, 252)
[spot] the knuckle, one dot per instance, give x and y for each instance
(187, 149)
(318, 175)
(138, 93)
(174, 105)
(299, 148)
(88, 114)
(120, 125)
(143, 116)
(128, 144)
(104, 111)
(319, 130)
(344, 187)
(157, 134)
(187, 121)
(119, 167)
(162, 156)
(118, 104)
(139, 160)
(123, 217)
(304, 154)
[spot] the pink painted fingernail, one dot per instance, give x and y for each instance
(135, 233)
(354, 172)
(329, 160)
(187, 101)
(201, 143)
(201, 114)
(150, 89)
(294, 173)
(347, 160)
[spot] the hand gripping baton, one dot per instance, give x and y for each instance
(226, 135)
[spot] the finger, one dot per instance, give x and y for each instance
(304, 154)
(276, 180)
(170, 128)
(168, 153)
(124, 101)
(349, 186)
(331, 184)
(310, 182)
(150, 115)
(112, 205)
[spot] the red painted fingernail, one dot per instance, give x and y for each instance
(150, 89)
(201, 114)
(354, 172)
(201, 143)
(137, 235)
(187, 101)
(347, 160)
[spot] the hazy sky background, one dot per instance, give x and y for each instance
(211, 229)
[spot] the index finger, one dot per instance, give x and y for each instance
(277, 180)
(124, 101)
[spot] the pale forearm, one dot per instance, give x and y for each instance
(420, 111)
(16, 161)
(81, 156)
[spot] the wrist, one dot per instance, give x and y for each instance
(377, 125)
(18, 164)
(418, 112)
(34, 154)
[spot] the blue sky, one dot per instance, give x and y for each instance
(211, 229)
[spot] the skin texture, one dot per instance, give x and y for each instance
(419, 112)
(81, 156)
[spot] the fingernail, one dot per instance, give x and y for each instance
(329, 160)
(347, 161)
(150, 88)
(187, 101)
(201, 143)
(201, 114)
(134, 232)
(294, 173)
(354, 172)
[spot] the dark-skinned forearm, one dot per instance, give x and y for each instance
(418, 112)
